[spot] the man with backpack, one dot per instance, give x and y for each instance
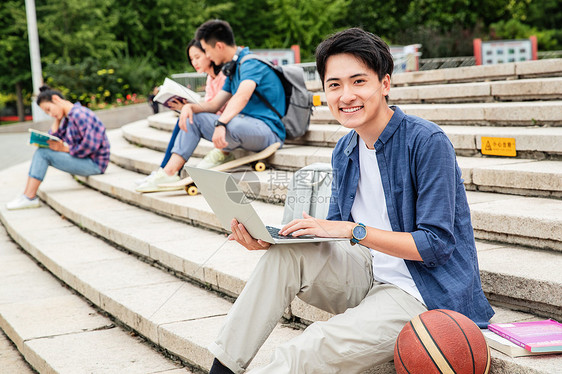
(252, 117)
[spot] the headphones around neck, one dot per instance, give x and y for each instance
(229, 68)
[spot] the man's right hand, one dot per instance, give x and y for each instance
(242, 236)
(185, 114)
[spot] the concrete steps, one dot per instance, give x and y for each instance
(528, 113)
(531, 141)
(169, 311)
(515, 90)
(537, 287)
(55, 330)
(536, 222)
(508, 71)
(527, 177)
(176, 315)
(484, 73)
(492, 91)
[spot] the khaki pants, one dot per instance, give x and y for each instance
(333, 276)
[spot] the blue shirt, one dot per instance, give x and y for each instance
(268, 85)
(425, 196)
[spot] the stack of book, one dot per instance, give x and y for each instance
(525, 338)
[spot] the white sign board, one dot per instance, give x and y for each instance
(498, 52)
(277, 56)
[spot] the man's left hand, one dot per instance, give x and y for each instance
(219, 137)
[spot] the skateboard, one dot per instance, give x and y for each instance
(257, 160)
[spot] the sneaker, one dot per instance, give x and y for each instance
(23, 202)
(160, 177)
(215, 158)
(140, 181)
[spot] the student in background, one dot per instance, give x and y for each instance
(215, 80)
(246, 121)
(84, 149)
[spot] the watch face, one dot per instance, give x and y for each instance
(359, 232)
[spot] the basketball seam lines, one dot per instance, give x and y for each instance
(399, 355)
(429, 340)
(465, 337)
(424, 347)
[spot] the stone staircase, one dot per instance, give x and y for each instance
(136, 283)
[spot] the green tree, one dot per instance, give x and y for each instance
(70, 30)
(160, 29)
(251, 21)
(15, 67)
(304, 23)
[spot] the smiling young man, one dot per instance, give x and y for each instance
(398, 195)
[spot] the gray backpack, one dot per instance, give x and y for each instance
(298, 100)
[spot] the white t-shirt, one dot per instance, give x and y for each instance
(369, 208)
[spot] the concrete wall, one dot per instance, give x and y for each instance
(111, 118)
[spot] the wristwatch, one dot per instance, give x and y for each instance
(219, 123)
(358, 233)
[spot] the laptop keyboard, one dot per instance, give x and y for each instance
(274, 232)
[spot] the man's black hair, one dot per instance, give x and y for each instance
(366, 46)
(197, 44)
(46, 93)
(214, 31)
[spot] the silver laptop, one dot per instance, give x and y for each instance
(227, 201)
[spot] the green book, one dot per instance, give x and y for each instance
(40, 138)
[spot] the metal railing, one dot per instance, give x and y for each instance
(446, 62)
(194, 81)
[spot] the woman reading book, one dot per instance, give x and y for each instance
(215, 80)
(83, 148)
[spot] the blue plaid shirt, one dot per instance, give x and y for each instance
(425, 196)
(85, 135)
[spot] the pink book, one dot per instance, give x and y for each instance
(536, 336)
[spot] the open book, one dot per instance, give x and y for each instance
(39, 138)
(171, 90)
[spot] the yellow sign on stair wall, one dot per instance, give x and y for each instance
(498, 146)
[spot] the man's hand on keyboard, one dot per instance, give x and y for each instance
(323, 228)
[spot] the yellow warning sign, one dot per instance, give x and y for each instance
(498, 146)
(316, 100)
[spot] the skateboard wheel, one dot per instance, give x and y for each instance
(191, 190)
(260, 166)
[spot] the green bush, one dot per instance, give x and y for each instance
(121, 80)
(514, 29)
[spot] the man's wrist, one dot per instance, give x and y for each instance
(219, 123)
(358, 233)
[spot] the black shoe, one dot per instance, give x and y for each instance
(219, 368)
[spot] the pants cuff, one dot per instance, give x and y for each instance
(224, 358)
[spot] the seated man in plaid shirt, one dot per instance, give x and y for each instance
(84, 149)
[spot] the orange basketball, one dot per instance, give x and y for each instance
(441, 341)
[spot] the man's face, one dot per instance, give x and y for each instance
(214, 53)
(354, 93)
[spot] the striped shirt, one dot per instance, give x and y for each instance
(85, 135)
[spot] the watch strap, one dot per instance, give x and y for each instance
(219, 123)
